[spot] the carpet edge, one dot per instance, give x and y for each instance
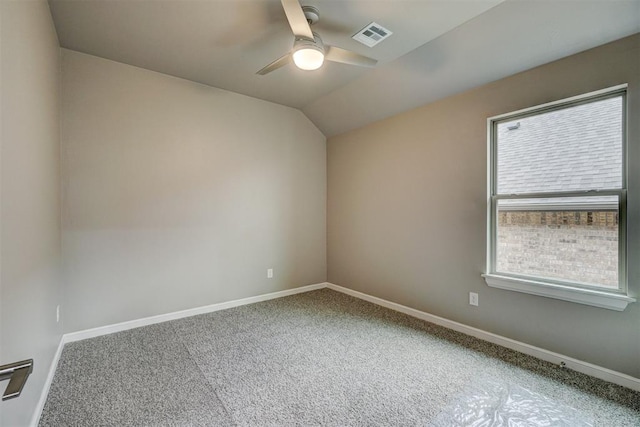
(160, 318)
(549, 356)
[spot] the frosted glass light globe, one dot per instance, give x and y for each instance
(308, 58)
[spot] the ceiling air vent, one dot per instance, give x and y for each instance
(372, 34)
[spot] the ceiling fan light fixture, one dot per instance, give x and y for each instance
(308, 54)
(308, 57)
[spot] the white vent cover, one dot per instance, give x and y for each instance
(372, 34)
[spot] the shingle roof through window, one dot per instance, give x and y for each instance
(573, 149)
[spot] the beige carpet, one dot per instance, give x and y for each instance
(319, 358)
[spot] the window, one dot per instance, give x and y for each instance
(557, 200)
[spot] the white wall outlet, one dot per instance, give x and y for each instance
(270, 273)
(473, 298)
(57, 314)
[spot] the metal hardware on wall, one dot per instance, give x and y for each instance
(17, 374)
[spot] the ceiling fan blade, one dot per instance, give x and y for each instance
(297, 20)
(337, 54)
(278, 63)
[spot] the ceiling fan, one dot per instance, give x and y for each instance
(309, 53)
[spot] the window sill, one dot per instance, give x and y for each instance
(594, 298)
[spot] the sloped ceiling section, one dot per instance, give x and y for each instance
(438, 47)
(223, 43)
(511, 37)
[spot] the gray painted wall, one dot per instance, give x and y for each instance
(30, 287)
(407, 204)
(178, 195)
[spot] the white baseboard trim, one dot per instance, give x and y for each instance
(540, 353)
(109, 329)
(35, 418)
(117, 327)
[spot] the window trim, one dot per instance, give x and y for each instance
(614, 299)
(602, 299)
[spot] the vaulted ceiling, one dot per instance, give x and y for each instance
(438, 47)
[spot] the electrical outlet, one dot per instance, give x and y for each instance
(473, 298)
(270, 273)
(57, 314)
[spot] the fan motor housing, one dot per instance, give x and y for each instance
(311, 13)
(301, 42)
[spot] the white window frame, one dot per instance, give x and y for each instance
(613, 299)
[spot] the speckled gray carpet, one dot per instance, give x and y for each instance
(319, 358)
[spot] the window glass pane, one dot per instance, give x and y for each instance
(572, 239)
(572, 149)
